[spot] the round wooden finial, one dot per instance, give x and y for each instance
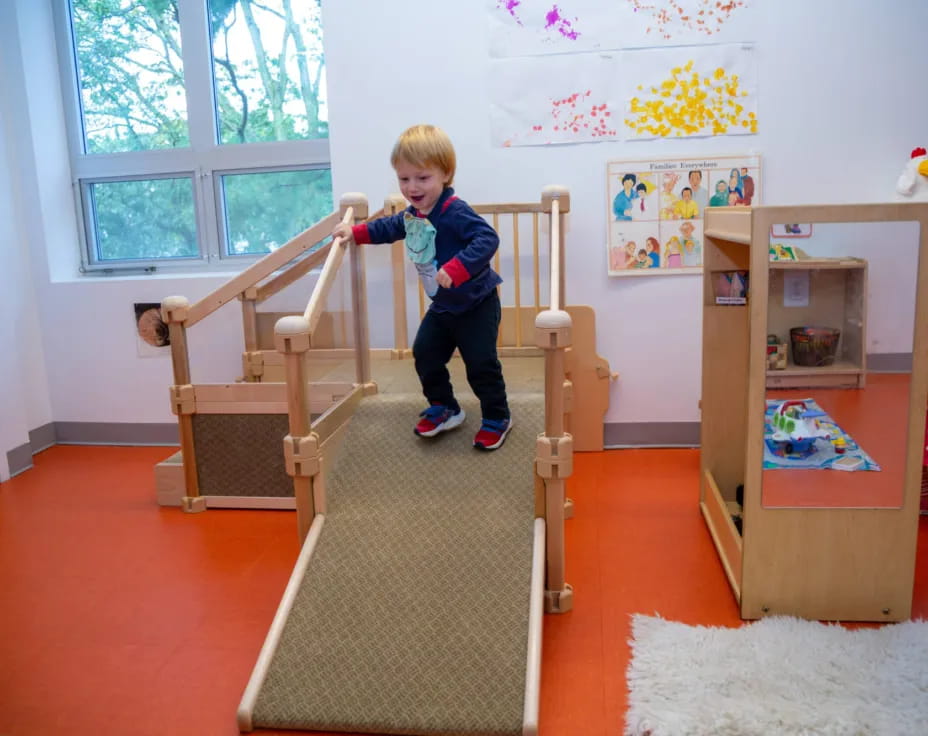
(295, 324)
(175, 302)
(558, 192)
(358, 201)
(552, 319)
(174, 308)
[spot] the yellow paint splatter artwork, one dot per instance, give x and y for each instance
(688, 103)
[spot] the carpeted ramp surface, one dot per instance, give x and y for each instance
(412, 617)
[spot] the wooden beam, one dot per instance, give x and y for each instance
(294, 273)
(262, 269)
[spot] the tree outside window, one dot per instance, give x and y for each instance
(199, 127)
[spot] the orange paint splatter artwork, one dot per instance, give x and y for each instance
(671, 16)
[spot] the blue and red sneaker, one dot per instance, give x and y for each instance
(438, 418)
(492, 433)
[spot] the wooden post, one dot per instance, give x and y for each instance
(362, 343)
(393, 204)
(554, 452)
(249, 299)
(291, 337)
(174, 310)
(555, 201)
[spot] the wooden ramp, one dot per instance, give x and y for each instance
(416, 604)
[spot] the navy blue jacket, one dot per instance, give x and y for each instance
(464, 245)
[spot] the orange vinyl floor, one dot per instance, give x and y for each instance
(120, 617)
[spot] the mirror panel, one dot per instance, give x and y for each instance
(840, 326)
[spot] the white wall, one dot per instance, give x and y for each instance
(24, 399)
(840, 108)
(841, 105)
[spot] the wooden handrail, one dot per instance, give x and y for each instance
(299, 269)
(295, 272)
(555, 301)
(313, 310)
(507, 209)
(260, 270)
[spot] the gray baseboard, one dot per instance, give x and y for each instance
(42, 438)
(19, 458)
(110, 433)
(889, 362)
(651, 434)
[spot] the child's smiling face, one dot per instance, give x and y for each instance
(421, 185)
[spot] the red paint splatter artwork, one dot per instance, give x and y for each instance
(573, 119)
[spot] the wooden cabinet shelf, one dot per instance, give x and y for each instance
(837, 293)
(836, 561)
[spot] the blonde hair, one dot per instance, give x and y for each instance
(425, 145)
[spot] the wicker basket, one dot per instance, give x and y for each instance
(814, 346)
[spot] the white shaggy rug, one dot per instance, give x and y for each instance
(777, 676)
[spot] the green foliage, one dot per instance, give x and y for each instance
(269, 81)
(267, 210)
(149, 218)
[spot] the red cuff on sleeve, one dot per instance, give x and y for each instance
(360, 234)
(455, 269)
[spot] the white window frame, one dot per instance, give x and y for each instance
(205, 159)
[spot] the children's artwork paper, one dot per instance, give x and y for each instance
(656, 209)
(660, 22)
(537, 27)
(689, 91)
(559, 99)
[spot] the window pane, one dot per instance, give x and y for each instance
(130, 73)
(264, 211)
(269, 70)
(143, 219)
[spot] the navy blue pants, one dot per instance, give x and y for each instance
(474, 334)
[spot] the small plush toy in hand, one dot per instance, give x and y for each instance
(913, 183)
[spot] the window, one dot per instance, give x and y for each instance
(198, 128)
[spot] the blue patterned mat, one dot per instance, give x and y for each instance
(824, 453)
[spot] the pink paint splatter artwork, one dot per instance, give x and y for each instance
(510, 7)
(672, 16)
(554, 19)
(575, 118)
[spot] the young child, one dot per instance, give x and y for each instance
(451, 246)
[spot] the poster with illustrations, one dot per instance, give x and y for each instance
(656, 209)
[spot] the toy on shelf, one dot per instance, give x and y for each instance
(796, 427)
(776, 353)
(913, 182)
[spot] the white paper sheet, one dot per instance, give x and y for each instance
(556, 99)
(539, 27)
(533, 27)
(686, 91)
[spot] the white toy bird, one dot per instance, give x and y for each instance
(913, 183)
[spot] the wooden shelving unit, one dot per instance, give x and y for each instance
(834, 563)
(837, 298)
